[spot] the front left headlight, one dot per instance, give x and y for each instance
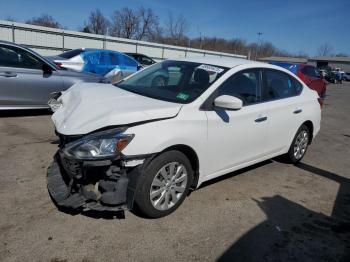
(106, 144)
(55, 101)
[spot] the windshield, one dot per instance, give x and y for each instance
(71, 53)
(173, 81)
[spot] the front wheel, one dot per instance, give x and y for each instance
(164, 184)
(299, 145)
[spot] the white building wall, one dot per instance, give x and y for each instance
(49, 41)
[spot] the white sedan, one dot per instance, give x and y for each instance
(144, 144)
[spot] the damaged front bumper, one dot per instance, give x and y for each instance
(104, 185)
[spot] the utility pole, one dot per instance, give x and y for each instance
(258, 45)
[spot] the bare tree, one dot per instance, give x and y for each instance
(157, 35)
(85, 29)
(125, 23)
(44, 20)
(177, 28)
(325, 50)
(10, 18)
(148, 24)
(97, 23)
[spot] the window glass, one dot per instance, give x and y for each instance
(244, 85)
(280, 85)
(310, 71)
(129, 62)
(71, 53)
(174, 81)
(146, 60)
(19, 58)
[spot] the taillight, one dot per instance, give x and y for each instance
(320, 101)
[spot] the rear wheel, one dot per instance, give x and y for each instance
(164, 184)
(299, 145)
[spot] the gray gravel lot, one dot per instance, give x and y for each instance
(270, 212)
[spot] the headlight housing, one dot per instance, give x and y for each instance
(55, 101)
(101, 145)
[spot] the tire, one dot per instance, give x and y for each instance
(158, 194)
(301, 140)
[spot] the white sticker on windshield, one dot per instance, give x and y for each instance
(211, 68)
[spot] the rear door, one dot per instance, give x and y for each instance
(281, 95)
(23, 83)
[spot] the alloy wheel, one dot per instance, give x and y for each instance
(168, 186)
(300, 144)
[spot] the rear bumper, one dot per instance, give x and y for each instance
(93, 185)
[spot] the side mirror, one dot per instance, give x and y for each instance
(228, 102)
(46, 69)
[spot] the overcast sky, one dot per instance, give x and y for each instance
(295, 26)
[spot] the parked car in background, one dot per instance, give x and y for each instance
(140, 145)
(28, 79)
(111, 64)
(346, 76)
(309, 74)
(323, 73)
(142, 59)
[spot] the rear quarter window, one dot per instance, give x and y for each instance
(280, 85)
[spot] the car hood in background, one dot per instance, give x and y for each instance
(70, 72)
(54, 57)
(87, 107)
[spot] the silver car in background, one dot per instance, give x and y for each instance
(27, 80)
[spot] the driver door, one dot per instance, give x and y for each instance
(237, 138)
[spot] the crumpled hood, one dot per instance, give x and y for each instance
(87, 107)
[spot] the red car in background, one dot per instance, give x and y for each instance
(309, 74)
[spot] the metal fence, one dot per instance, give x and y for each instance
(49, 41)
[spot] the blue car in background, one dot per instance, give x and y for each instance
(111, 64)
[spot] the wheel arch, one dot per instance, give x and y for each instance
(310, 126)
(192, 156)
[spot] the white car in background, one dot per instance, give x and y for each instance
(144, 144)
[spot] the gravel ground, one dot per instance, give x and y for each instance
(268, 212)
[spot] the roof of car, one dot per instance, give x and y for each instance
(221, 61)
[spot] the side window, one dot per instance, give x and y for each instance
(129, 62)
(310, 71)
(279, 85)
(16, 57)
(146, 61)
(244, 85)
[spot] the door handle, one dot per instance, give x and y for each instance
(261, 119)
(297, 111)
(8, 74)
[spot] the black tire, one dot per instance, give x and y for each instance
(142, 198)
(290, 156)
